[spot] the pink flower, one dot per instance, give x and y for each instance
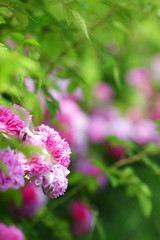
(139, 77)
(134, 114)
(81, 216)
(86, 167)
(116, 152)
(97, 128)
(74, 124)
(10, 122)
(38, 165)
(14, 178)
(56, 146)
(145, 132)
(29, 84)
(121, 128)
(54, 181)
(10, 233)
(103, 91)
(32, 200)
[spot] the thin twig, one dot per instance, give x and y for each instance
(126, 161)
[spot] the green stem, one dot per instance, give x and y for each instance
(126, 161)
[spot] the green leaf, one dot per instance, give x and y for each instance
(101, 231)
(51, 107)
(32, 42)
(18, 36)
(17, 8)
(75, 177)
(16, 196)
(146, 204)
(72, 87)
(21, 18)
(68, 15)
(2, 21)
(81, 22)
(152, 165)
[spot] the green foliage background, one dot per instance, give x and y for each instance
(86, 41)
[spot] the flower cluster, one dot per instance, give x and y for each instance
(10, 233)
(82, 217)
(32, 200)
(49, 169)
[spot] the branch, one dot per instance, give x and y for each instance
(135, 158)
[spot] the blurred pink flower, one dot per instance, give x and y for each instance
(109, 113)
(103, 91)
(86, 167)
(155, 113)
(116, 152)
(81, 216)
(139, 77)
(121, 128)
(97, 128)
(134, 114)
(144, 132)
(26, 51)
(14, 177)
(32, 200)
(75, 124)
(11, 44)
(10, 232)
(29, 84)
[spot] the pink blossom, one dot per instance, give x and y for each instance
(38, 165)
(103, 91)
(14, 177)
(61, 92)
(32, 200)
(11, 122)
(121, 128)
(69, 110)
(139, 77)
(10, 232)
(26, 51)
(81, 216)
(57, 147)
(116, 152)
(155, 113)
(97, 128)
(29, 84)
(86, 167)
(134, 114)
(74, 123)
(54, 181)
(145, 131)
(109, 113)
(11, 44)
